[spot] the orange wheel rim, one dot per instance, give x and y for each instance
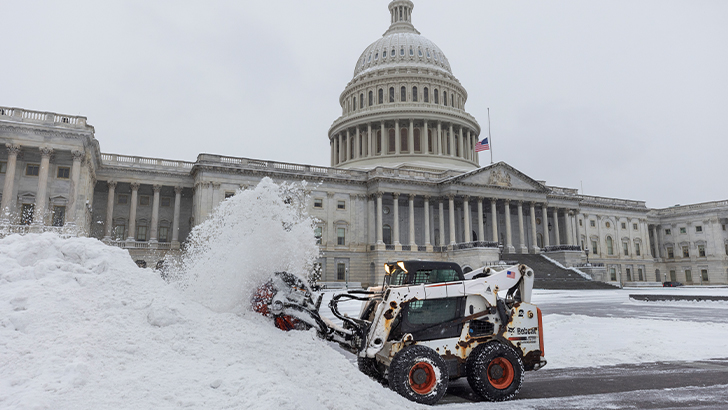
(500, 373)
(422, 378)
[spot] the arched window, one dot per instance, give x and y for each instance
(414, 94)
(412, 51)
(381, 96)
(437, 96)
(387, 234)
(403, 94)
(392, 142)
(539, 240)
(452, 100)
(444, 98)
(371, 98)
(427, 95)
(354, 105)
(391, 94)
(429, 141)
(361, 100)
(403, 138)
(610, 246)
(401, 51)
(379, 142)
(417, 145)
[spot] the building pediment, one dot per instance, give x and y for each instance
(500, 175)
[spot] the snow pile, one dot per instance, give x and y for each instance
(249, 236)
(81, 327)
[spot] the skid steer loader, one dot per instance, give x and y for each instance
(427, 324)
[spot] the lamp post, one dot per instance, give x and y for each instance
(587, 256)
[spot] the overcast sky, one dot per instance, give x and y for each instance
(628, 99)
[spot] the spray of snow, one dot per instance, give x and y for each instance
(249, 237)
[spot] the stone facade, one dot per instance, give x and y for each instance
(404, 183)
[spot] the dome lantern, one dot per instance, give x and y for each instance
(401, 17)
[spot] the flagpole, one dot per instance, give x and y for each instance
(490, 138)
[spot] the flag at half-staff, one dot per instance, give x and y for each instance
(482, 145)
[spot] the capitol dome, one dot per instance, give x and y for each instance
(404, 108)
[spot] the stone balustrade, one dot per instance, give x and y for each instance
(42, 118)
(126, 161)
(679, 209)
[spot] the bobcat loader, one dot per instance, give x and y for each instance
(427, 324)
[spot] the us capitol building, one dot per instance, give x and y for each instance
(404, 182)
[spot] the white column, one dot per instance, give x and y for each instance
(132, 211)
(655, 231)
(341, 148)
(534, 234)
(358, 147)
(427, 221)
(411, 137)
(441, 206)
(380, 220)
(110, 210)
(494, 218)
(349, 152)
(40, 200)
(569, 228)
(8, 194)
(481, 228)
(461, 146)
(556, 227)
(397, 138)
(155, 213)
(72, 197)
(426, 142)
(521, 232)
(451, 141)
(466, 217)
(438, 144)
(451, 205)
(412, 220)
(383, 139)
(395, 234)
(469, 149)
(175, 218)
(370, 141)
(545, 223)
(509, 237)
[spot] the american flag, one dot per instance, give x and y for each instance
(482, 145)
(511, 274)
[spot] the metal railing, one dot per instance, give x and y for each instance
(476, 244)
(558, 248)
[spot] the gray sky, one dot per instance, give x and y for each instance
(629, 98)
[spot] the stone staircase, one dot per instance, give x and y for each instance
(552, 276)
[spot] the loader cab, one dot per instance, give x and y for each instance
(407, 273)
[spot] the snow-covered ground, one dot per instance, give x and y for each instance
(82, 327)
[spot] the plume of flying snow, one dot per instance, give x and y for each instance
(248, 238)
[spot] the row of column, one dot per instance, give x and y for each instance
(41, 199)
(153, 235)
(346, 146)
(569, 216)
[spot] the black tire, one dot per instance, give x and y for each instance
(419, 374)
(495, 371)
(368, 366)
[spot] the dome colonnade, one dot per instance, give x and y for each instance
(404, 107)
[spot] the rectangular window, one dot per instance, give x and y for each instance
(670, 253)
(699, 228)
(63, 172)
(341, 205)
(637, 249)
(166, 201)
(4, 168)
(341, 271)
(704, 275)
(673, 276)
(686, 252)
(144, 200)
(640, 274)
(26, 214)
(625, 248)
(59, 215)
(163, 234)
(683, 230)
(668, 232)
(594, 249)
(318, 203)
(724, 227)
(32, 170)
(119, 232)
(688, 276)
(317, 233)
(624, 225)
(701, 251)
(141, 233)
(341, 236)
(592, 223)
(613, 274)
(581, 223)
(634, 226)
(122, 199)
(629, 275)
